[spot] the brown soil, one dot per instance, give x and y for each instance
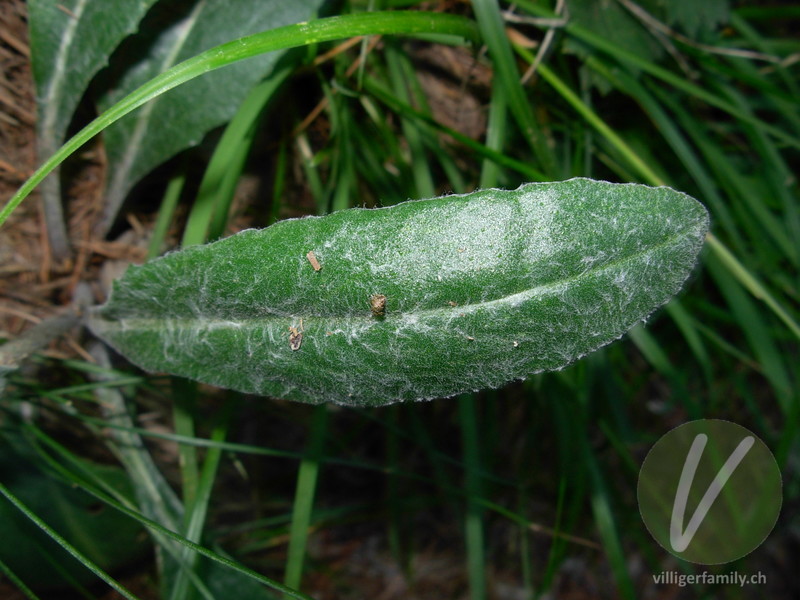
(34, 286)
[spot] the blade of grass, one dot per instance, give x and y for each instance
(304, 498)
(109, 496)
(732, 264)
(397, 525)
(262, 451)
(751, 283)
(421, 437)
(122, 591)
(311, 172)
(746, 202)
(374, 88)
(593, 119)
(676, 81)
(780, 179)
(673, 135)
(154, 495)
(279, 185)
(476, 560)
(789, 435)
(343, 176)
(583, 163)
(687, 327)
(496, 134)
(493, 31)
(198, 510)
(680, 83)
(226, 164)
(599, 497)
(89, 478)
(424, 438)
(655, 354)
(725, 346)
(431, 139)
(16, 581)
(606, 525)
(558, 546)
(196, 547)
(165, 213)
(399, 75)
(385, 164)
(454, 491)
(184, 397)
(746, 72)
(525, 551)
(227, 188)
(755, 330)
(383, 158)
(380, 169)
(301, 34)
(751, 35)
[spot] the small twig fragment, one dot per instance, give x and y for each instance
(312, 258)
(34, 339)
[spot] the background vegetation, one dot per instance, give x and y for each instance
(524, 492)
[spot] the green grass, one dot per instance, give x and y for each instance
(503, 488)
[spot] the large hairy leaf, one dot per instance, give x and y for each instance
(420, 300)
(71, 40)
(180, 118)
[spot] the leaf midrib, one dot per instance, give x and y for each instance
(55, 86)
(145, 323)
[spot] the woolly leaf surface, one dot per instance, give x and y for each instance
(481, 289)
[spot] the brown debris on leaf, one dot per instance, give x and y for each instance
(312, 258)
(296, 337)
(377, 304)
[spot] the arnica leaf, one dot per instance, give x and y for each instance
(179, 119)
(70, 42)
(420, 300)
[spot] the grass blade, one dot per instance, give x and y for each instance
(17, 581)
(165, 214)
(751, 283)
(107, 496)
(493, 31)
(198, 510)
(593, 119)
(321, 30)
(304, 498)
(216, 188)
(65, 544)
(476, 560)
